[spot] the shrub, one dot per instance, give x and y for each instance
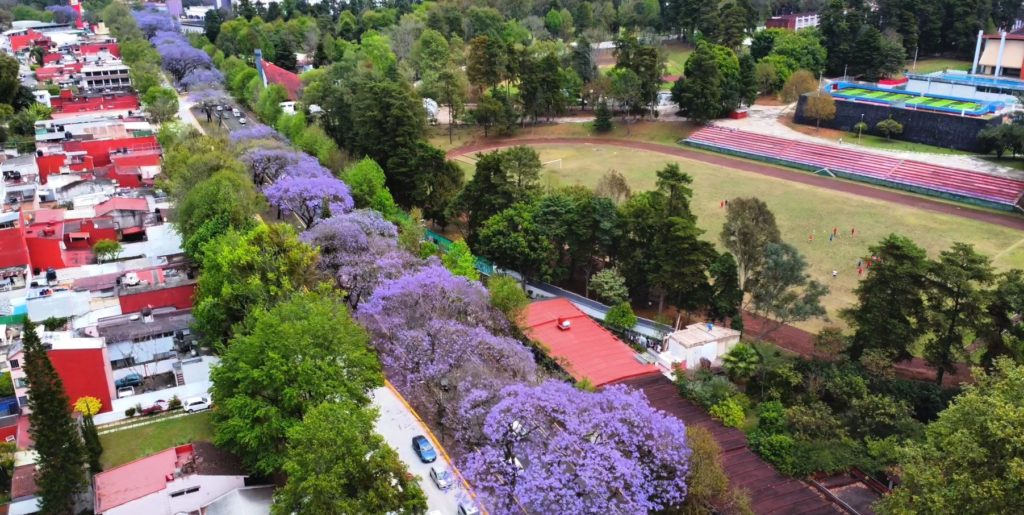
(620, 317)
(814, 421)
(729, 412)
(707, 485)
(842, 388)
(889, 128)
(771, 417)
(174, 403)
(776, 449)
(741, 363)
(707, 391)
(926, 399)
(130, 412)
(802, 81)
(828, 456)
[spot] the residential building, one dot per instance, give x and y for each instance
(585, 350)
(178, 480)
(271, 73)
(14, 257)
(698, 343)
(81, 363)
(794, 21)
(251, 500)
(146, 342)
(104, 78)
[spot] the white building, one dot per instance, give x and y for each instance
(686, 348)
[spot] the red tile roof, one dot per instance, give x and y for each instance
(587, 349)
(286, 79)
(134, 480)
(122, 204)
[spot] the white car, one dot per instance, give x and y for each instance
(441, 477)
(236, 112)
(242, 121)
(194, 404)
(125, 391)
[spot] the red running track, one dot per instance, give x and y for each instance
(855, 188)
(999, 190)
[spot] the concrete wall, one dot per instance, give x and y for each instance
(147, 399)
(919, 126)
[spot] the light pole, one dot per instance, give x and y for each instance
(440, 406)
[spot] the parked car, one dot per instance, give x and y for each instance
(132, 379)
(468, 508)
(442, 477)
(236, 112)
(424, 449)
(194, 404)
(125, 391)
(241, 121)
(157, 407)
(220, 108)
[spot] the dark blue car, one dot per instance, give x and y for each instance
(132, 379)
(423, 449)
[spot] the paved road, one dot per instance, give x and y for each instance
(1006, 220)
(398, 425)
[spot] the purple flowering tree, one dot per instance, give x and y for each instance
(166, 37)
(309, 198)
(306, 166)
(554, 448)
(202, 78)
(63, 13)
(208, 96)
(253, 132)
(267, 164)
(150, 22)
(412, 301)
(179, 57)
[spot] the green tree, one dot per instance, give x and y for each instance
(968, 459)
(889, 128)
(507, 296)
(211, 24)
(486, 62)
(782, 292)
(459, 260)
(741, 363)
(226, 201)
(430, 54)
(304, 351)
(602, 117)
(513, 240)
(146, 75)
(610, 286)
(107, 250)
(749, 227)
(699, 92)
(246, 271)
(337, 463)
(798, 84)
(161, 103)
(10, 81)
(860, 127)
(367, 182)
(620, 317)
(502, 178)
(1003, 335)
(955, 300)
(60, 466)
(733, 24)
(820, 106)
(766, 77)
(890, 313)
(748, 79)
(727, 296)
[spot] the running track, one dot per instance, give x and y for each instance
(1006, 220)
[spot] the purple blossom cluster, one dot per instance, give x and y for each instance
(63, 13)
(202, 79)
(254, 131)
(553, 448)
(150, 22)
(309, 198)
(208, 96)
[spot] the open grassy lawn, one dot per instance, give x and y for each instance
(120, 447)
(938, 64)
(676, 55)
(801, 211)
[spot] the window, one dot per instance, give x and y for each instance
(190, 490)
(20, 383)
(15, 364)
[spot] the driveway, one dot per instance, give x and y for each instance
(398, 425)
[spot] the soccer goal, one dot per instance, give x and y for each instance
(552, 162)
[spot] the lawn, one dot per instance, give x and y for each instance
(668, 133)
(938, 65)
(120, 447)
(801, 210)
(676, 55)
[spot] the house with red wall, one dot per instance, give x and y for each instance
(81, 363)
(14, 256)
(67, 103)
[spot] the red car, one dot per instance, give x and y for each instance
(157, 407)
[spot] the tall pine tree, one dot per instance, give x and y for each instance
(60, 473)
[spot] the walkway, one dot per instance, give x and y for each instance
(1005, 220)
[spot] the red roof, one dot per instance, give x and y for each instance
(136, 479)
(586, 349)
(122, 204)
(286, 79)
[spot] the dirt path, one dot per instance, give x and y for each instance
(1005, 220)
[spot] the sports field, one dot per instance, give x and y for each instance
(802, 211)
(913, 100)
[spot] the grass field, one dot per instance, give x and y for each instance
(676, 55)
(668, 133)
(801, 211)
(938, 65)
(120, 447)
(895, 97)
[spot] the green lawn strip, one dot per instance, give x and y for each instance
(120, 447)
